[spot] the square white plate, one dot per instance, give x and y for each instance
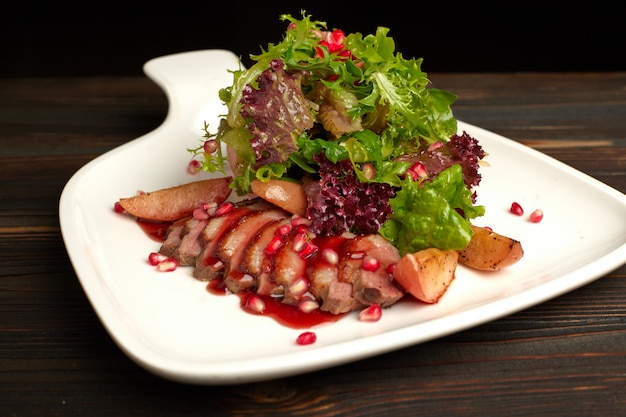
(172, 326)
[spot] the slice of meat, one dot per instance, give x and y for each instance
(376, 288)
(173, 237)
(335, 296)
(289, 266)
(208, 264)
(232, 246)
(190, 245)
(258, 263)
(340, 299)
(371, 287)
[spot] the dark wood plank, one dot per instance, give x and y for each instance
(565, 357)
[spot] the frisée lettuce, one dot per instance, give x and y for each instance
(373, 144)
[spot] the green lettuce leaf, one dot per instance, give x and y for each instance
(426, 214)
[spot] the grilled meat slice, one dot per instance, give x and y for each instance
(340, 298)
(258, 261)
(289, 266)
(208, 265)
(238, 246)
(190, 246)
(323, 272)
(232, 246)
(370, 287)
(173, 237)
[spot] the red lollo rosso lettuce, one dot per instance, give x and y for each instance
(339, 202)
(278, 113)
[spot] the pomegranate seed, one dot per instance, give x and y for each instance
(117, 207)
(224, 208)
(371, 313)
(309, 250)
(283, 230)
(200, 214)
(167, 265)
(331, 46)
(216, 264)
(299, 287)
(193, 167)
(370, 264)
(333, 40)
(210, 146)
(303, 229)
(306, 306)
(306, 338)
(391, 267)
(356, 255)
(331, 256)
(210, 208)
(275, 244)
(369, 171)
(344, 54)
(417, 171)
(536, 216)
(324, 42)
(299, 242)
(297, 221)
(156, 258)
(517, 209)
(338, 36)
(255, 303)
(435, 145)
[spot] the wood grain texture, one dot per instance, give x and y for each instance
(565, 357)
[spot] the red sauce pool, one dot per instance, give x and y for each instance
(155, 230)
(284, 314)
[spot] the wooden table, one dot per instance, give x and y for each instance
(566, 357)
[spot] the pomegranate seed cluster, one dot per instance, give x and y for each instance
(535, 217)
(163, 263)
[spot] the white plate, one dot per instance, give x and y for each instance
(168, 322)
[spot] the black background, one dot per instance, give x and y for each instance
(115, 38)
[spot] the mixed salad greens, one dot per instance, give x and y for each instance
(374, 145)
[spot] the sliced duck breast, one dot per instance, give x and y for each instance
(290, 269)
(208, 264)
(172, 238)
(190, 245)
(232, 246)
(371, 285)
(258, 258)
(323, 271)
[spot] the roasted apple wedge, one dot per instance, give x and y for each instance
(287, 195)
(169, 204)
(490, 251)
(426, 274)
